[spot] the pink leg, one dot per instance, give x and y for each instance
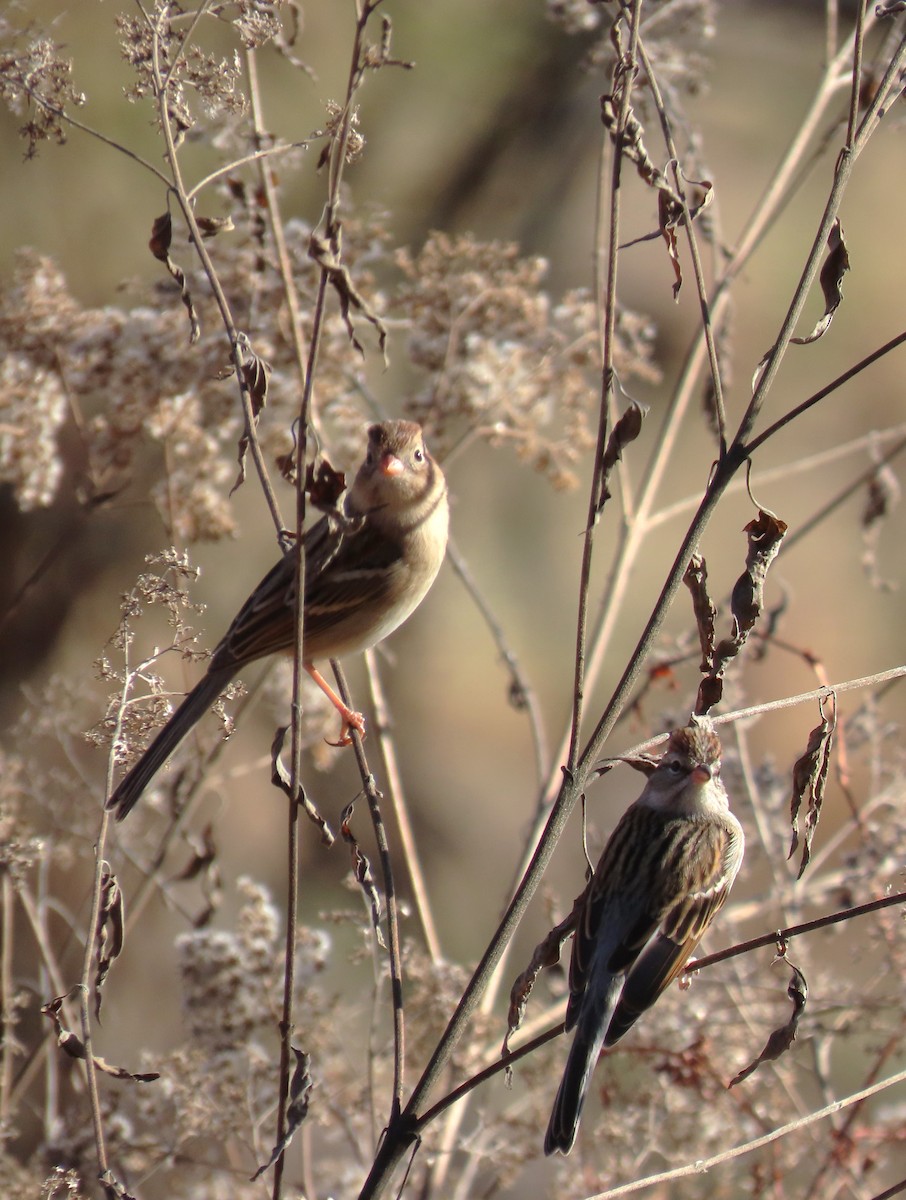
(351, 719)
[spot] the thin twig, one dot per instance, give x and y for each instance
(408, 844)
(707, 1164)
(521, 691)
(394, 944)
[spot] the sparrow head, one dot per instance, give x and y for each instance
(397, 472)
(687, 778)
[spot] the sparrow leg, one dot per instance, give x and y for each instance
(351, 719)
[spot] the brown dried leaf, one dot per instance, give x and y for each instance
(696, 580)
(255, 375)
(159, 245)
(324, 485)
(109, 932)
(327, 256)
(765, 534)
(210, 227)
(632, 145)
(671, 217)
(781, 1039)
(362, 873)
(161, 237)
(203, 866)
(300, 1088)
(74, 1047)
(280, 778)
(810, 779)
(546, 954)
(831, 279)
(626, 430)
(883, 495)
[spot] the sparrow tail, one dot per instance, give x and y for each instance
(594, 1016)
(189, 713)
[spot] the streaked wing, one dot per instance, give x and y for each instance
(616, 920)
(266, 623)
(718, 856)
(362, 568)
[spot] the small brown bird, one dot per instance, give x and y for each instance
(361, 583)
(664, 874)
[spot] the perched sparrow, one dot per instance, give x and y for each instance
(361, 583)
(663, 875)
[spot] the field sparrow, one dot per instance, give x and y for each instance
(663, 875)
(361, 583)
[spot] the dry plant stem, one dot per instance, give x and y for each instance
(706, 325)
(842, 172)
(821, 693)
(813, 462)
(771, 939)
(91, 1078)
(306, 375)
(393, 930)
(387, 748)
(846, 376)
(335, 172)
(707, 1164)
(519, 684)
(7, 899)
(856, 91)
(275, 219)
(178, 189)
(609, 302)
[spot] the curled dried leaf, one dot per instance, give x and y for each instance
(280, 778)
(782, 1038)
(255, 375)
(109, 932)
(765, 534)
(696, 580)
(159, 245)
(324, 485)
(300, 1088)
(810, 780)
(546, 954)
(831, 279)
(74, 1047)
(361, 871)
(327, 255)
(626, 430)
(204, 867)
(672, 217)
(210, 227)
(161, 237)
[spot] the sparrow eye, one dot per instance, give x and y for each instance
(419, 456)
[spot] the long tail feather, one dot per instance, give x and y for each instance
(189, 713)
(597, 1006)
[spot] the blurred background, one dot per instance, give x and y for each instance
(495, 131)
